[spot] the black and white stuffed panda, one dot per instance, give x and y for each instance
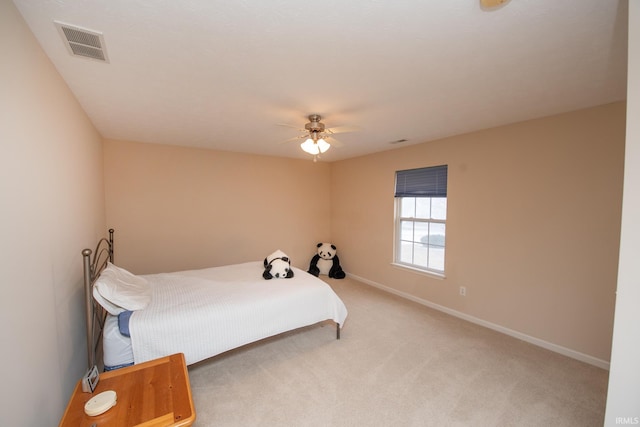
(326, 262)
(277, 266)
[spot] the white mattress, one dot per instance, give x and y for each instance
(202, 313)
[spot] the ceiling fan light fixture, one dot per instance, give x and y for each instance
(310, 147)
(315, 147)
(323, 145)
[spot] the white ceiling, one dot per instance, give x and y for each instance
(223, 74)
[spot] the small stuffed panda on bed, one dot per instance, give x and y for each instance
(326, 262)
(277, 266)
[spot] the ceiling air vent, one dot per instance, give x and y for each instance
(83, 42)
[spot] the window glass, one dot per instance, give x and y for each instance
(423, 207)
(439, 208)
(408, 206)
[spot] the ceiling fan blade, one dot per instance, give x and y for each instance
(297, 138)
(342, 129)
(291, 126)
(334, 142)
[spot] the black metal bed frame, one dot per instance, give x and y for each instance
(94, 262)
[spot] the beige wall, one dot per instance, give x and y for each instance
(533, 224)
(177, 208)
(51, 189)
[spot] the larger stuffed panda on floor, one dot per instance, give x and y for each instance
(326, 262)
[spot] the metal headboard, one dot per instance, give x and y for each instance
(94, 262)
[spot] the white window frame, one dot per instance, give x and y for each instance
(415, 246)
(399, 219)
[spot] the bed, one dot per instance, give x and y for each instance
(200, 313)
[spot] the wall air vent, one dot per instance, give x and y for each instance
(83, 42)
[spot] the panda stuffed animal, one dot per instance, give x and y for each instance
(326, 262)
(277, 266)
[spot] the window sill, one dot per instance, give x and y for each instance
(431, 274)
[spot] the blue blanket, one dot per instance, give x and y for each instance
(123, 322)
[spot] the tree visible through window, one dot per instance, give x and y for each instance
(421, 214)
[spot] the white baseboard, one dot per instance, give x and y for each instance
(527, 338)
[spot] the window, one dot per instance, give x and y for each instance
(420, 220)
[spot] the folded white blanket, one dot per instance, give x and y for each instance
(202, 313)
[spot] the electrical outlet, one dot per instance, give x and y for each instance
(463, 291)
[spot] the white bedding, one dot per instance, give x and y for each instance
(202, 313)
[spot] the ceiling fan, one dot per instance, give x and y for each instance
(318, 138)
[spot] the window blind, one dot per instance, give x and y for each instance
(422, 182)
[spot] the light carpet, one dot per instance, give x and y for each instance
(397, 363)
